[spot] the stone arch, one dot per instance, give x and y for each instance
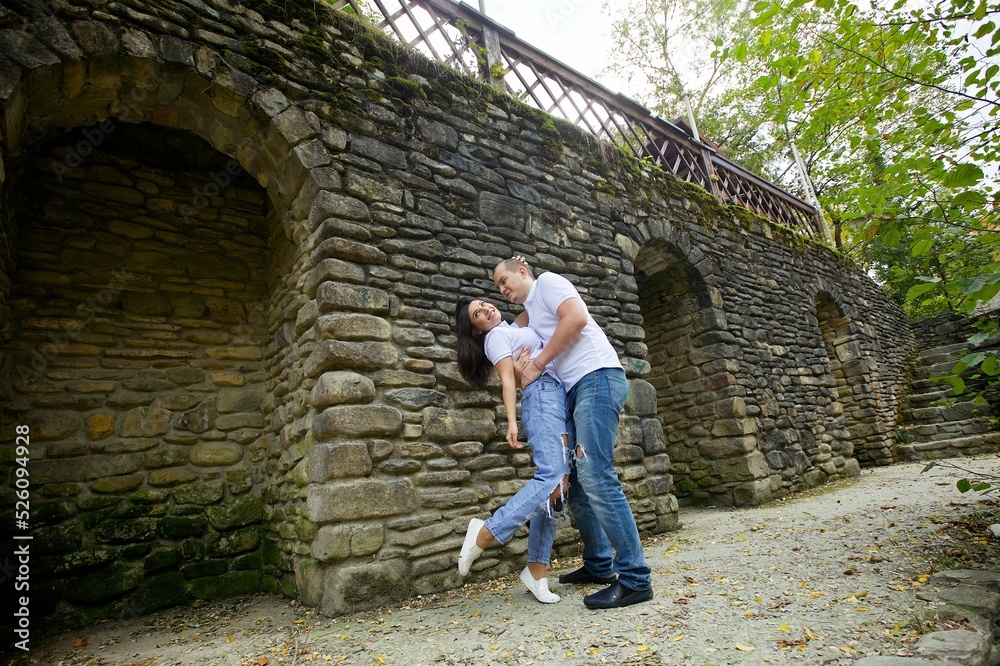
(77, 87)
(694, 364)
(856, 407)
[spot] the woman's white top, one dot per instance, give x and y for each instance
(503, 340)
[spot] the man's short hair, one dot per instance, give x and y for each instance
(511, 266)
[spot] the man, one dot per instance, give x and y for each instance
(596, 389)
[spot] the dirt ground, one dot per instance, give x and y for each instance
(821, 578)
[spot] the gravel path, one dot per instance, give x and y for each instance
(822, 578)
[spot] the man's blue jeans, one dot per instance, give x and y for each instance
(596, 499)
(543, 411)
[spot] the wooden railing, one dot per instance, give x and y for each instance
(462, 38)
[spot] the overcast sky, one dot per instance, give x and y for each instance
(575, 32)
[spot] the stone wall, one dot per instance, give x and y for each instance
(138, 315)
(385, 186)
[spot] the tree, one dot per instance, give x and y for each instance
(670, 49)
(894, 110)
(898, 108)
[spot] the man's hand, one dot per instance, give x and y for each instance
(525, 369)
(520, 360)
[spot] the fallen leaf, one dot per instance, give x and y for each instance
(678, 637)
(262, 661)
(785, 627)
(642, 648)
(380, 659)
(80, 642)
(745, 648)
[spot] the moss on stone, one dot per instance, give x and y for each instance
(157, 592)
(105, 584)
(227, 585)
(83, 560)
(405, 88)
(262, 57)
(552, 145)
(607, 188)
(315, 48)
(287, 10)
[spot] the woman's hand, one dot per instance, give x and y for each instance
(512, 435)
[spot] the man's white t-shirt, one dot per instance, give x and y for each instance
(590, 351)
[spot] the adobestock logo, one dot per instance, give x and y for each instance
(202, 198)
(563, 11)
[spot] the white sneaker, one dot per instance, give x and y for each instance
(470, 551)
(539, 588)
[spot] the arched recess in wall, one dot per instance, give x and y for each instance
(856, 406)
(147, 216)
(693, 367)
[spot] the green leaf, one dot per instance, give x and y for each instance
(957, 384)
(990, 366)
(963, 175)
(971, 360)
(971, 285)
(891, 237)
(919, 290)
(980, 338)
(963, 485)
(969, 200)
(922, 247)
(984, 29)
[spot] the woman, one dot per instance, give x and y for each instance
(487, 343)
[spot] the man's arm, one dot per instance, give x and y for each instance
(572, 319)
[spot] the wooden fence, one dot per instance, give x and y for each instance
(462, 38)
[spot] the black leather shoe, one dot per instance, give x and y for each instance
(617, 596)
(581, 575)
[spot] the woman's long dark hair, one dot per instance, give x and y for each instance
(473, 365)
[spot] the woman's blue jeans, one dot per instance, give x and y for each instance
(596, 499)
(543, 411)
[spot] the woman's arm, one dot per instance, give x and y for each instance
(505, 368)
